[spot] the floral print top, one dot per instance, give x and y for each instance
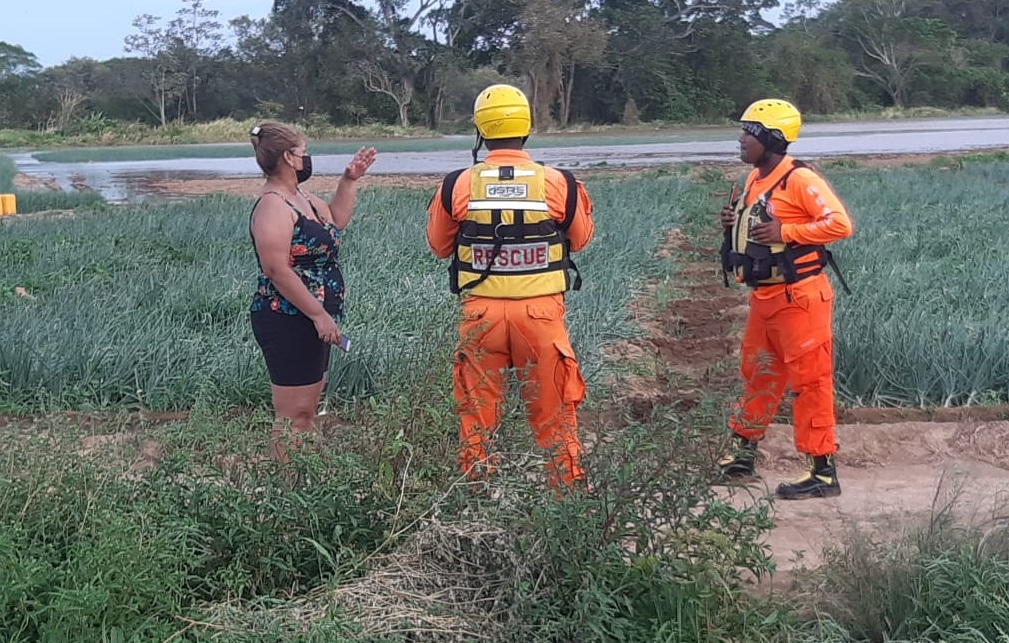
(315, 253)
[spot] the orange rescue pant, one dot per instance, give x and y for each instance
(529, 335)
(788, 341)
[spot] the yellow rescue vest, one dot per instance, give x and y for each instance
(759, 264)
(509, 246)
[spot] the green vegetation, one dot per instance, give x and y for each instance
(118, 527)
(148, 531)
(126, 529)
(132, 536)
(222, 130)
(925, 323)
(144, 531)
(90, 549)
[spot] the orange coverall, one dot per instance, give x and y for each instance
(527, 334)
(788, 338)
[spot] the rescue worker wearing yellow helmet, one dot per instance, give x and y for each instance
(510, 225)
(775, 243)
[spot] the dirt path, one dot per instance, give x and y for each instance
(895, 465)
(893, 476)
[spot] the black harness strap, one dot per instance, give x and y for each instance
(571, 202)
(495, 216)
(570, 207)
(837, 271)
(447, 188)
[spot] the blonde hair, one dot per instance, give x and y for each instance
(270, 140)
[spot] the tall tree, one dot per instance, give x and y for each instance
(19, 87)
(16, 61)
(810, 69)
(986, 20)
(316, 41)
(556, 38)
(196, 32)
(680, 59)
(890, 43)
(71, 83)
(164, 76)
(482, 29)
(394, 69)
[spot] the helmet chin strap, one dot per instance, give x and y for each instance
(477, 146)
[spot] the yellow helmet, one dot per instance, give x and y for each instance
(775, 114)
(502, 111)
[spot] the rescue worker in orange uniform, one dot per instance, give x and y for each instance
(775, 243)
(510, 225)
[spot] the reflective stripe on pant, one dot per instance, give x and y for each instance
(529, 335)
(788, 341)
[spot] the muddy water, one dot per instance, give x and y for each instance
(125, 181)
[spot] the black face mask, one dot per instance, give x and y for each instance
(306, 169)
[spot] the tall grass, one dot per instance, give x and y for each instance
(181, 530)
(7, 173)
(146, 306)
(944, 579)
(95, 547)
(131, 301)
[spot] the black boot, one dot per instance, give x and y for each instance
(740, 461)
(819, 481)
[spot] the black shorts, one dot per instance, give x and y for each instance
(295, 356)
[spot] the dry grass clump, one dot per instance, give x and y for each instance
(449, 581)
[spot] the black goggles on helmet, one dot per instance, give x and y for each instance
(772, 140)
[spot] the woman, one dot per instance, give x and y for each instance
(301, 291)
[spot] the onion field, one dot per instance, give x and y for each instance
(926, 324)
(147, 306)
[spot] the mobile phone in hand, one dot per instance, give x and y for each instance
(345, 343)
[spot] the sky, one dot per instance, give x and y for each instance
(55, 30)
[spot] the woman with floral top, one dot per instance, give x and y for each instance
(300, 297)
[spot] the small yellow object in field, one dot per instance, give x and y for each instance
(8, 204)
(21, 292)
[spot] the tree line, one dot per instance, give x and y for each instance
(421, 63)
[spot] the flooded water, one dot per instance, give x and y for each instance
(125, 181)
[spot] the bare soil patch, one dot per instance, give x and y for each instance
(321, 184)
(26, 182)
(894, 477)
(251, 187)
